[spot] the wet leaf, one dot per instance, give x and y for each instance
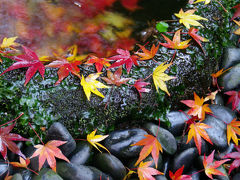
(146, 54)
(236, 157)
(234, 98)
(139, 85)
(205, 1)
(99, 62)
(232, 130)
(23, 163)
(216, 75)
(192, 32)
(95, 139)
(237, 12)
(178, 175)
(211, 96)
(145, 172)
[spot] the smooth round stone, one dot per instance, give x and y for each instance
(69, 171)
(185, 158)
(223, 113)
(231, 57)
(17, 176)
(110, 165)
(4, 168)
(160, 177)
(177, 120)
(230, 148)
(119, 142)
(223, 170)
(26, 174)
(47, 174)
(58, 132)
(219, 100)
(236, 176)
(165, 138)
(81, 154)
(194, 174)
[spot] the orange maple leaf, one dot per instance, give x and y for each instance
(210, 166)
(99, 62)
(196, 131)
(176, 42)
(216, 75)
(145, 172)
(151, 145)
(197, 107)
(146, 54)
(48, 152)
(23, 163)
(178, 175)
(232, 130)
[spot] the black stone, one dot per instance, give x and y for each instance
(17, 176)
(4, 168)
(231, 57)
(219, 100)
(236, 176)
(160, 177)
(47, 174)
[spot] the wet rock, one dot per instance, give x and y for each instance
(223, 170)
(110, 165)
(17, 176)
(69, 171)
(81, 154)
(12, 157)
(185, 158)
(236, 176)
(223, 113)
(47, 174)
(229, 149)
(166, 164)
(118, 142)
(160, 177)
(58, 132)
(4, 168)
(231, 57)
(177, 120)
(26, 174)
(219, 100)
(165, 138)
(194, 173)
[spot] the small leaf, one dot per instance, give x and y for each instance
(139, 85)
(146, 54)
(234, 98)
(232, 130)
(192, 32)
(99, 62)
(162, 27)
(237, 13)
(94, 139)
(178, 175)
(206, 1)
(145, 172)
(9, 42)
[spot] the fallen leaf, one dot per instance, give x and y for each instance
(130, 4)
(192, 32)
(146, 54)
(210, 166)
(237, 12)
(211, 96)
(151, 145)
(176, 42)
(9, 42)
(48, 152)
(237, 32)
(216, 75)
(130, 172)
(99, 62)
(115, 79)
(189, 18)
(234, 98)
(95, 139)
(197, 107)
(145, 172)
(159, 77)
(206, 1)
(196, 131)
(90, 84)
(139, 85)
(178, 175)
(236, 157)
(29, 59)
(232, 130)
(23, 163)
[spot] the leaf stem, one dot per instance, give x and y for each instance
(35, 132)
(12, 120)
(222, 6)
(147, 77)
(32, 171)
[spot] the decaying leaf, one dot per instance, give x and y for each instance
(95, 139)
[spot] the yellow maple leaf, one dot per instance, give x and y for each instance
(206, 1)
(189, 18)
(90, 84)
(94, 139)
(8, 42)
(237, 32)
(232, 130)
(159, 77)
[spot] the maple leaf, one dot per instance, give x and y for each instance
(146, 54)
(145, 172)
(192, 32)
(232, 130)
(237, 13)
(130, 4)
(178, 175)
(216, 75)
(48, 152)
(6, 141)
(139, 85)
(130, 172)
(9, 42)
(115, 78)
(99, 62)
(90, 84)
(210, 166)
(159, 77)
(189, 18)
(124, 57)
(23, 163)
(29, 59)
(236, 157)
(151, 145)
(176, 42)
(211, 96)
(206, 1)
(234, 98)
(95, 139)
(196, 131)
(197, 107)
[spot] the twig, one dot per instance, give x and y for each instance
(35, 133)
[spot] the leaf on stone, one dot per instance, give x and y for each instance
(9, 42)
(234, 98)
(176, 42)
(23, 163)
(192, 32)
(145, 172)
(217, 74)
(196, 131)
(115, 78)
(95, 139)
(99, 62)
(210, 165)
(178, 175)
(90, 85)
(159, 77)
(189, 18)
(197, 107)
(237, 12)
(124, 57)
(211, 96)
(48, 152)
(205, 1)
(147, 54)
(29, 59)
(151, 145)
(139, 85)
(232, 130)
(236, 157)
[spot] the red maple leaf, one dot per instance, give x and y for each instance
(124, 57)
(29, 59)
(145, 172)
(139, 85)
(99, 62)
(236, 157)
(234, 98)
(178, 175)
(210, 166)
(130, 4)
(237, 13)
